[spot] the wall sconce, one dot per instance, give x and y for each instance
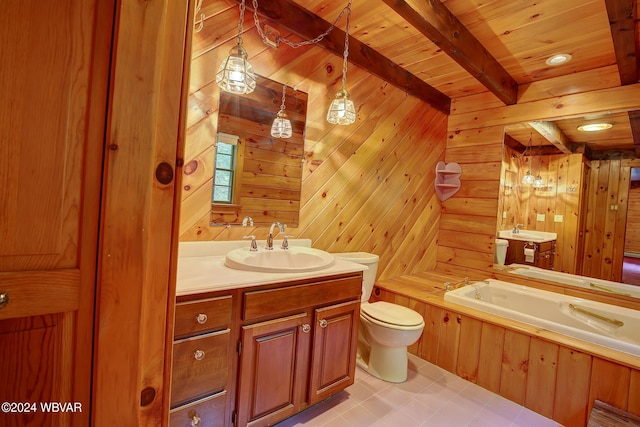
(281, 127)
(235, 74)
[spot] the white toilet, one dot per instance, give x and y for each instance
(386, 330)
(501, 251)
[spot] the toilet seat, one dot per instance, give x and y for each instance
(391, 315)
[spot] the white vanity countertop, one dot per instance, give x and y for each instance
(203, 270)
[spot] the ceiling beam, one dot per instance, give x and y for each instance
(552, 133)
(435, 21)
(621, 21)
(634, 121)
(300, 21)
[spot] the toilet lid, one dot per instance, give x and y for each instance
(393, 314)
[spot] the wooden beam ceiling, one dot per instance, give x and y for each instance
(436, 22)
(621, 21)
(634, 120)
(308, 26)
(552, 133)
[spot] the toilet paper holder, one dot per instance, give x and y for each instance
(531, 245)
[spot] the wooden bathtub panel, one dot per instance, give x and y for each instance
(609, 383)
(515, 366)
(490, 360)
(572, 387)
(431, 334)
(419, 307)
(449, 339)
(543, 369)
(634, 393)
(469, 349)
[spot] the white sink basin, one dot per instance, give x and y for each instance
(294, 259)
(528, 235)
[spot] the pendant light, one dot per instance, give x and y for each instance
(235, 74)
(281, 127)
(342, 111)
(528, 178)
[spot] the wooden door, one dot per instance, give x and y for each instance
(273, 369)
(335, 342)
(53, 80)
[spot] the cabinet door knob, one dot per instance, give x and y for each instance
(306, 328)
(201, 318)
(195, 421)
(323, 323)
(4, 299)
(198, 354)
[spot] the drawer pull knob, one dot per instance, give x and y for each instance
(201, 318)
(306, 328)
(4, 299)
(195, 421)
(198, 354)
(323, 323)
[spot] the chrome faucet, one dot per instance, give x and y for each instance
(270, 236)
(516, 229)
(448, 286)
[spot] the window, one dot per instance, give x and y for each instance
(225, 168)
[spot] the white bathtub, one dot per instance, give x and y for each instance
(614, 288)
(551, 311)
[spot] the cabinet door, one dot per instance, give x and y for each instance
(335, 341)
(273, 366)
(54, 83)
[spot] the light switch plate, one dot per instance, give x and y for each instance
(540, 217)
(558, 218)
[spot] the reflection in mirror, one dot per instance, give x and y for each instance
(574, 202)
(256, 175)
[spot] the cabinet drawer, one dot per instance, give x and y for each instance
(194, 317)
(200, 366)
(274, 302)
(204, 412)
(546, 246)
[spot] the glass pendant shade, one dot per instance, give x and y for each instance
(538, 183)
(281, 127)
(342, 111)
(235, 74)
(528, 178)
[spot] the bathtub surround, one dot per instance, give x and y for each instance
(552, 374)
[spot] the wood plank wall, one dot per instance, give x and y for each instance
(607, 218)
(632, 235)
(563, 195)
(365, 187)
(474, 136)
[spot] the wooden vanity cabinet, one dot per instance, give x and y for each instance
(269, 351)
(203, 352)
(544, 255)
(298, 347)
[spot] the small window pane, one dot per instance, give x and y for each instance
(224, 148)
(223, 178)
(221, 194)
(224, 162)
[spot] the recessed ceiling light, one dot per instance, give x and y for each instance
(595, 127)
(559, 59)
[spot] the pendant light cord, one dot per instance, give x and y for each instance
(284, 91)
(346, 46)
(240, 23)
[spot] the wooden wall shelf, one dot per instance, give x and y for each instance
(447, 179)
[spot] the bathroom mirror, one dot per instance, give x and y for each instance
(255, 174)
(560, 205)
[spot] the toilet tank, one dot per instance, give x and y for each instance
(369, 276)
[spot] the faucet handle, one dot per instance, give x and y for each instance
(254, 245)
(285, 241)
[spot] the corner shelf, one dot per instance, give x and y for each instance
(447, 179)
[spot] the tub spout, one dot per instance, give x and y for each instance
(448, 286)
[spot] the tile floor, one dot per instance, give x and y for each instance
(431, 397)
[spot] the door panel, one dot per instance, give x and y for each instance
(54, 81)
